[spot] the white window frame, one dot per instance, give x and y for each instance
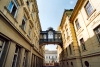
(89, 8)
(77, 26)
(17, 6)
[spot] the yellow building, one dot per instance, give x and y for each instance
(19, 34)
(84, 38)
(86, 20)
(70, 55)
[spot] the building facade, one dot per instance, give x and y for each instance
(86, 30)
(70, 55)
(19, 34)
(85, 19)
(50, 58)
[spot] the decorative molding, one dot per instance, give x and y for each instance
(27, 12)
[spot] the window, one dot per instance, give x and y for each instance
(72, 63)
(25, 58)
(28, 3)
(70, 49)
(88, 8)
(82, 44)
(97, 32)
(56, 57)
(50, 35)
(13, 7)
(44, 36)
(67, 63)
(15, 59)
(66, 52)
(49, 57)
(23, 23)
(29, 31)
(2, 43)
(77, 24)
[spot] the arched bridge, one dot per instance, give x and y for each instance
(51, 36)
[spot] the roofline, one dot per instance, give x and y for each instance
(64, 14)
(76, 9)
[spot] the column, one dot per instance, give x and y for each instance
(10, 55)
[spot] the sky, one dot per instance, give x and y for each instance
(50, 13)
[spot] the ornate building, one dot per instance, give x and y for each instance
(19, 34)
(84, 34)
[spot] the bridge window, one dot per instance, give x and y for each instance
(44, 36)
(50, 35)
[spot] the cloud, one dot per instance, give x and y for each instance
(71, 2)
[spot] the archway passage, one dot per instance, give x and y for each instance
(51, 36)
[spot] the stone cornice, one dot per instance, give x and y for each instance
(76, 9)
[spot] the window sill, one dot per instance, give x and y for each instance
(22, 29)
(10, 14)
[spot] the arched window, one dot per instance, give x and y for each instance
(50, 35)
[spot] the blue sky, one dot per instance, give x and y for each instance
(51, 11)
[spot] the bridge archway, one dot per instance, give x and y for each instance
(51, 36)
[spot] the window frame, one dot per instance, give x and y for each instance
(16, 54)
(25, 58)
(25, 20)
(14, 3)
(90, 8)
(77, 24)
(70, 49)
(96, 33)
(82, 45)
(29, 30)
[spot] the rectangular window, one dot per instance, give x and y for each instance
(28, 3)
(15, 59)
(88, 8)
(82, 44)
(29, 31)
(70, 49)
(66, 52)
(13, 7)
(23, 23)
(77, 24)
(97, 32)
(2, 43)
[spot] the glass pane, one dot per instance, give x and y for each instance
(14, 61)
(14, 9)
(16, 3)
(10, 6)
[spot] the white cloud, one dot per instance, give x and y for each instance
(71, 2)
